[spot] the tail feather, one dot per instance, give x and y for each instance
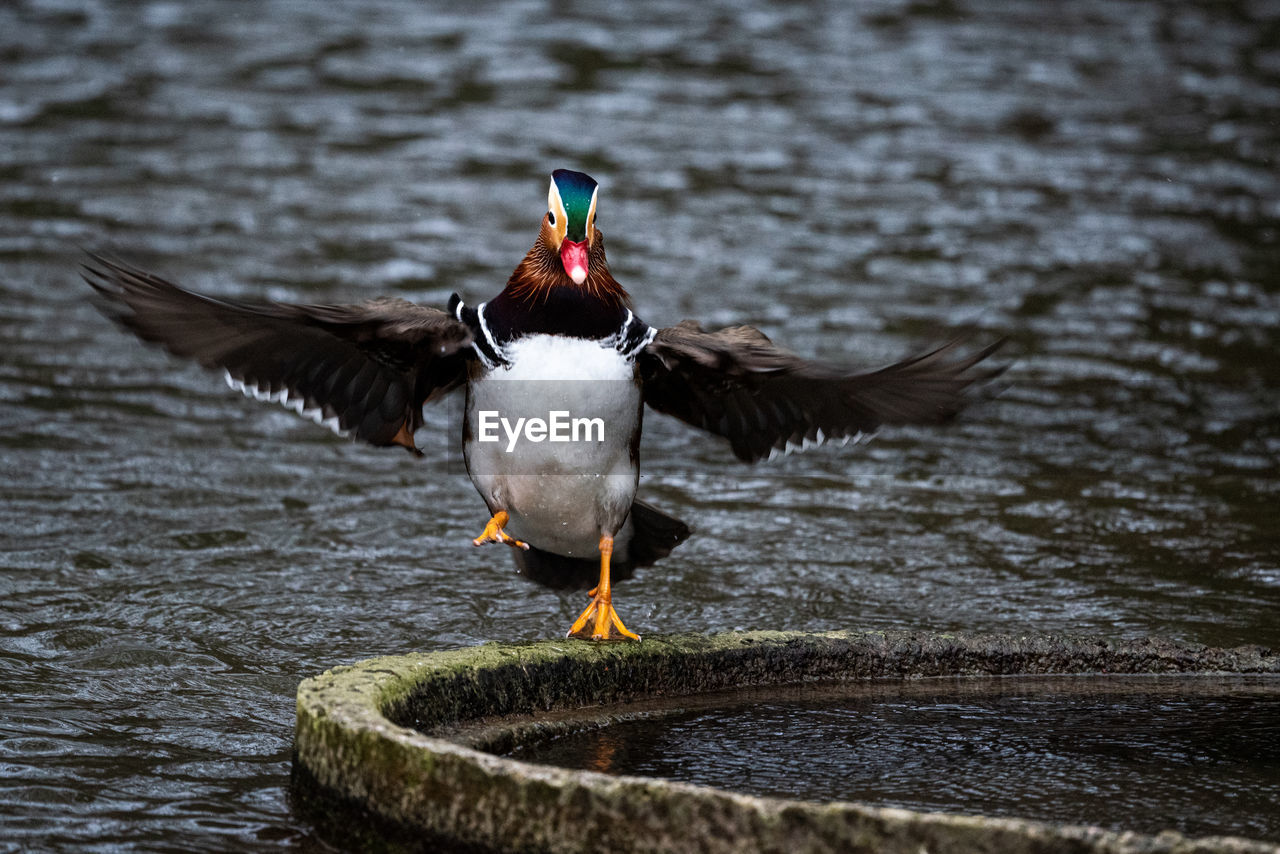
(648, 536)
(655, 534)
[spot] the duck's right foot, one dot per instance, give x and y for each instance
(493, 533)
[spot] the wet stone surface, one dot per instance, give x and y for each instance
(1095, 180)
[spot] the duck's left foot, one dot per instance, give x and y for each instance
(493, 533)
(599, 621)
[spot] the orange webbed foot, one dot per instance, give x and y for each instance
(493, 533)
(599, 621)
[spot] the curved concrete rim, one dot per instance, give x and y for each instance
(363, 735)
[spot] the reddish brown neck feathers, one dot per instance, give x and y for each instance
(540, 272)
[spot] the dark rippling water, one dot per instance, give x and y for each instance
(1096, 180)
(1198, 755)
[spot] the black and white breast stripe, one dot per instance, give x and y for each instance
(630, 338)
(633, 336)
(489, 350)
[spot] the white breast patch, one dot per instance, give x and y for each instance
(557, 357)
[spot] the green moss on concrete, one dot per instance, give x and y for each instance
(364, 733)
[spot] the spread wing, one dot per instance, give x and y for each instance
(364, 370)
(765, 400)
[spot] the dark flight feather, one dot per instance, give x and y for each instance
(738, 384)
(371, 365)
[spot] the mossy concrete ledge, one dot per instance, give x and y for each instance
(376, 734)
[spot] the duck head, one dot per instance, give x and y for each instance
(569, 227)
(567, 260)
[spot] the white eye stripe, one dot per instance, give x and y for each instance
(560, 218)
(591, 215)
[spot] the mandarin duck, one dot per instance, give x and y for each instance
(561, 341)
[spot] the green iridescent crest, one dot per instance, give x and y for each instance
(577, 193)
